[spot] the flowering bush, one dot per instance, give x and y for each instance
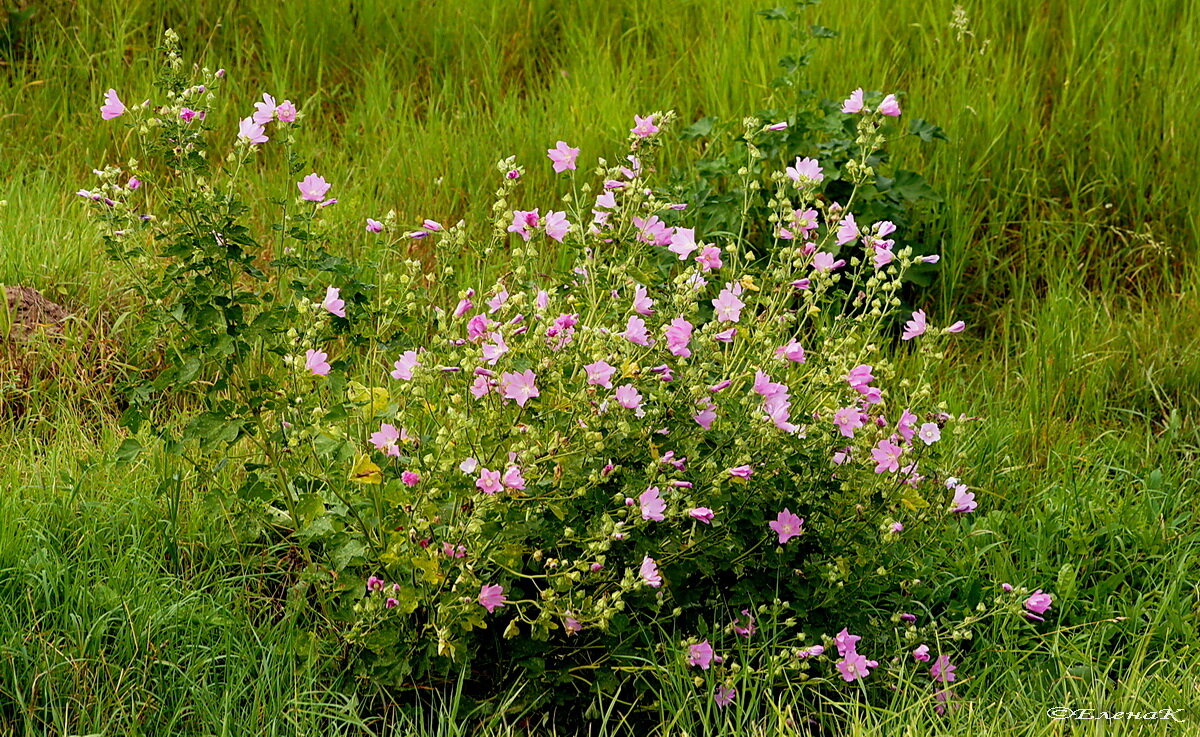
(675, 426)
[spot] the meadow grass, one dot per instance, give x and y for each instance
(1068, 229)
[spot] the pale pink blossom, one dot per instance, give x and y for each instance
(853, 103)
(643, 127)
(333, 303)
(679, 334)
(652, 504)
(556, 225)
(492, 597)
(600, 373)
(252, 132)
(313, 188)
(916, 326)
(628, 396)
(563, 157)
(112, 107)
(727, 307)
(890, 106)
(403, 368)
(641, 303)
(386, 439)
(264, 112)
(805, 172)
(317, 362)
(519, 386)
(649, 572)
(489, 481)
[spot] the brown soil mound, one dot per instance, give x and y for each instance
(29, 311)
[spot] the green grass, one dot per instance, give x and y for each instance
(1068, 228)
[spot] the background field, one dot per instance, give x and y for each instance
(1068, 228)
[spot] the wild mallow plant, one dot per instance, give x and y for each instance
(671, 431)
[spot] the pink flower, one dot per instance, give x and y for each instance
(887, 456)
(930, 433)
(792, 352)
(747, 629)
(571, 625)
(251, 131)
(652, 230)
(854, 666)
(846, 642)
(391, 603)
(905, 425)
(823, 262)
(556, 225)
(811, 652)
(523, 222)
(386, 439)
(313, 188)
(724, 696)
(957, 327)
(374, 583)
(600, 373)
(635, 331)
(563, 157)
(316, 362)
(776, 126)
(403, 369)
(187, 114)
(704, 418)
(787, 525)
(333, 303)
(890, 106)
(628, 397)
(652, 504)
(642, 303)
(702, 514)
(853, 103)
(1037, 604)
(806, 171)
(964, 500)
(916, 326)
(643, 127)
(519, 387)
(741, 472)
(492, 597)
(709, 258)
(727, 307)
(374, 226)
(112, 107)
(725, 336)
(264, 112)
(897, 527)
(860, 376)
(286, 112)
(489, 481)
(410, 478)
(847, 420)
(683, 242)
(700, 654)
(679, 334)
(847, 231)
(649, 572)
(513, 479)
(942, 671)
(921, 654)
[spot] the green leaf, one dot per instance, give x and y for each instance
(129, 449)
(699, 129)
(926, 131)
